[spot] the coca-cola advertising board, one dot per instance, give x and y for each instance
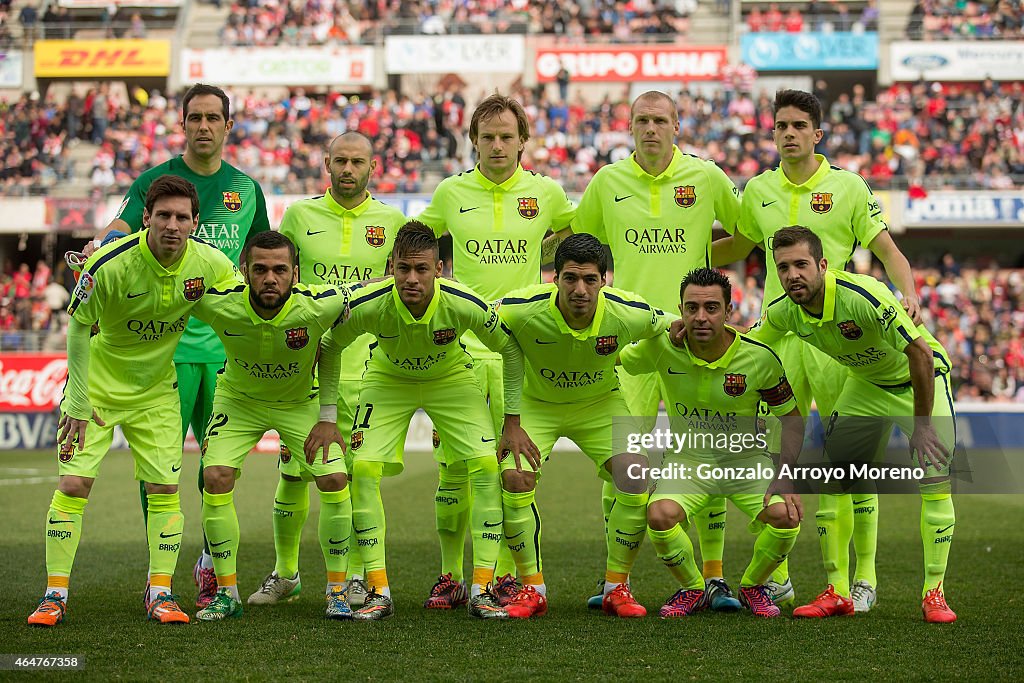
(31, 383)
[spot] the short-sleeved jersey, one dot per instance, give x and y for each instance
(565, 365)
(497, 229)
(836, 204)
(862, 326)
(271, 361)
(717, 397)
(658, 227)
(423, 348)
(141, 309)
(231, 207)
(338, 246)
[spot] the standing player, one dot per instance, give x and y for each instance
(139, 290)
(271, 329)
(897, 373)
(571, 333)
(719, 372)
(497, 214)
(343, 236)
(655, 210)
(419, 363)
(840, 208)
(232, 207)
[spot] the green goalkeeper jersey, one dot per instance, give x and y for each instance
(141, 309)
(658, 227)
(497, 230)
(862, 326)
(836, 204)
(337, 246)
(231, 207)
(564, 365)
(271, 361)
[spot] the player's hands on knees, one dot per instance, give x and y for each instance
(927, 447)
(71, 430)
(913, 308)
(321, 436)
(516, 441)
(794, 504)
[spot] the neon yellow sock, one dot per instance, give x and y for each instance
(675, 551)
(291, 508)
(166, 524)
(334, 528)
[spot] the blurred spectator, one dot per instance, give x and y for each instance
(965, 19)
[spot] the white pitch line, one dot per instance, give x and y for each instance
(27, 480)
(20, 470)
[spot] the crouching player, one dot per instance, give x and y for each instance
(714, 379)
(140, 291)
(419, 362)
(271, 329)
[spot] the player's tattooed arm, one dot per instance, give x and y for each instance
(321, 436)
(550, 245)
(517, 443)
(75, 408)
(730, 249)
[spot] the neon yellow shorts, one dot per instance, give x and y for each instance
(643, 395)
(237, 425)
(587, 423)
(348, 394)
(453, 403)
(489, 378)
(155, 438)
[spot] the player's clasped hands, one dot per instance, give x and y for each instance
(320, 438)
(927, 447)
(515, 441)
(72, 430)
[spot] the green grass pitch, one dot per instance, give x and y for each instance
(106, 623)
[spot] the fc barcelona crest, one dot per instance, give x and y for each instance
(66, 453)
(686, 195)
(193, 289)
(528, 207)
(375, 235)
(232, 201)
(286, 455)
(445, 336)
(606, 346)
(296, 338)
(850, 330)
(357, 440)
(435, 438)
(206, 444)
(821, 202)
(734, 385)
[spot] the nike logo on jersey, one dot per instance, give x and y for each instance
(314, 233)
(620, 532)
(861, 502)
(764, 204)
(364, 531)
(465, 210)
(619, 199)
(515, 535)
(332, 460)
(448, 490)
(712, 515)
(60, 521)
(945, 529)
(490, 525)
(333, 542)
(214, 545)
(135, 295)
(278, 502)
(675, 372)
(163, 535)
(175, 469)
(232, 334)
(544, 342)
(483, 440)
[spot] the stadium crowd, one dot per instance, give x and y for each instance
(965, 19)
(977, 313)
(917, 136)
(319, 22)
(814, 16)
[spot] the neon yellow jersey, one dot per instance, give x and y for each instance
(231, 207)
(658, 227)
(497, 230)
(142, 309)
(564, 365)
(862, 326)
(420, 348)
(836, 204)
(338, 246)
(717, 397)
(271, 361)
